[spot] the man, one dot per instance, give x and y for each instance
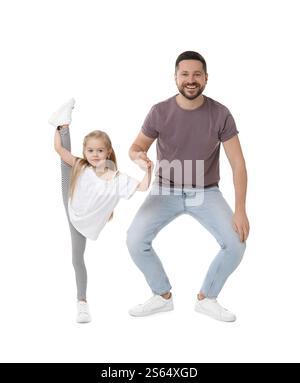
(189, 129)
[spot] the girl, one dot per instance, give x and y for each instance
(91, 187)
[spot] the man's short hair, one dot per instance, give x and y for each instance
(190, 55)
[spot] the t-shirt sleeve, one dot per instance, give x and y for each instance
(229, 129)
(126, 185)
(149, 127)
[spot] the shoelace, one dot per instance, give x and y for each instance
(148, 302)
(83, 308)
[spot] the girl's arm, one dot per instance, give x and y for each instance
(144, 184)
(65, 155)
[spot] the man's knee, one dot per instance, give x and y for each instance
(137, 239)
(134, 238)
(130, 239)
(236, 249)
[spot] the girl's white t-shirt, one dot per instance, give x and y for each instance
(95, 198)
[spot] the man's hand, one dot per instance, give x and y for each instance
(241, 225)
(143, 161)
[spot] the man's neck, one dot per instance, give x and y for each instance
(185, 103)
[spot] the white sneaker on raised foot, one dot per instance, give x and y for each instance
(153, 305)
(210, 307)
(63, 115)
(83, 312)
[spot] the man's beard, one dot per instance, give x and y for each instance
(198, 90)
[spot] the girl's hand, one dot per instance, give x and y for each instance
(145, 183)
(143, 161)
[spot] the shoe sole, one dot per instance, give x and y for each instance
(52, 120)
(55, 122)
(198, 310)
(152, 312)
(83, 321)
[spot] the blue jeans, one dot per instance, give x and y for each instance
(209, 208)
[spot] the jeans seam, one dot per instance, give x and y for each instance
(214, 278)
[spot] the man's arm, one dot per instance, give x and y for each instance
(236, 159)
(138, 150)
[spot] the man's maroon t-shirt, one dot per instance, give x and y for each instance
(185, 137)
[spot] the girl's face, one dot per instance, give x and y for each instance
(96, 152)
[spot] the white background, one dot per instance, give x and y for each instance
(116, 58)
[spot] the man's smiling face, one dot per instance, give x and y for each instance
(190, 78)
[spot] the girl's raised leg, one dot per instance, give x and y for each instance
(78, 240)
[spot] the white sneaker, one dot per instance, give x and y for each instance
(212, 308)
(153, 305)
(63, 115)
(83, 312)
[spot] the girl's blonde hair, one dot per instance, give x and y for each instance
(81, 163)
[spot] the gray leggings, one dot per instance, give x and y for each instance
(78, 240)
